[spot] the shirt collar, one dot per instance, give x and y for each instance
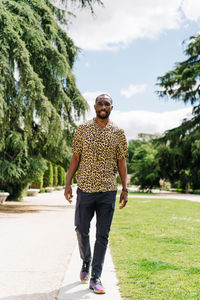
(96, 125)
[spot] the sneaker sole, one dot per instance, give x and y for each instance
(84, 281)
(97, 292)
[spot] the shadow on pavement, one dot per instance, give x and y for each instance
(65, 293)
(20, 209)
(37, 296)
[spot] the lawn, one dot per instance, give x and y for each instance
(155, 244)
(136, 193)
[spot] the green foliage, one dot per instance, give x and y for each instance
(48, 176)
(63, 176)
(60, 175)
(180, 190)
(179, 152)
(38, 181)
(74, 180)
(39, 100)
(144, 164)
(118, 180)
(16, 168)
(179, 156)
(197, 192)
(182, 83)
(55, 175)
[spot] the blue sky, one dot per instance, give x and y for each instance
(125, 47)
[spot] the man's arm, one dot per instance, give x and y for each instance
(122, 169)
(74, 163)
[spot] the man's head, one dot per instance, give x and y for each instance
(103, 106)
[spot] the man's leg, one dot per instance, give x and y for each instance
(83, 215)
(105, 205)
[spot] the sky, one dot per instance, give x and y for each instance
(125, 46)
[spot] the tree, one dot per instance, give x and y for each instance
(39, 100)
(181, 144)
(182, 83)
(179, 157)
(144, 163)
(133, 144)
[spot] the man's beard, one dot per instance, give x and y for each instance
(107, 113)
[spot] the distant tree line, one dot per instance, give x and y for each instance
(154, 158)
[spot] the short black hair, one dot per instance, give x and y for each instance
(103, 96)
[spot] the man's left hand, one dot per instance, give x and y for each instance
(123, 199)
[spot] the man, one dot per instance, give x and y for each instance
(99, 151)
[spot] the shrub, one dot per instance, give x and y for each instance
(118, 180)
(48, 175)
(63, 176)
(38, 182)
(60, 175)
(133, 180)
(197, 192)
(55, 175)
(74, 180)
(180, 190)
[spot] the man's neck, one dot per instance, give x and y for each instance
(101, 122)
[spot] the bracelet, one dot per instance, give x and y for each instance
(125, 190)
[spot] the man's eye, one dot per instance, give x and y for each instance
(101, 104)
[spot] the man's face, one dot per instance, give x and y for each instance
(103, 107)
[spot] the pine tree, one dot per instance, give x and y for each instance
(39, 100)
(179, 150)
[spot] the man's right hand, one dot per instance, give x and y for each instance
(68, 193)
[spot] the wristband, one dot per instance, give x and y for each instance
(125, 190)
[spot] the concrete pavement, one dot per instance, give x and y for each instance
(39, 256)
(37, 240)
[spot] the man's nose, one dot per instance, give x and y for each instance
(103, 105)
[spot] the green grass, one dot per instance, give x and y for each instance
(155, 244)
(135, 193)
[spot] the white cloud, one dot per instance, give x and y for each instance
(191, 9)
(133, 90)
(134, 122)
(120, 22)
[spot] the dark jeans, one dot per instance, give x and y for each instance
(103, 203)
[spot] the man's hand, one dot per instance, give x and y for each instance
(68, 193)
(123, 199)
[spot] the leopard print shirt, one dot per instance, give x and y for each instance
(99, 150)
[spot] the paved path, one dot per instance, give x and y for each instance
(37, 240)
(39, 257)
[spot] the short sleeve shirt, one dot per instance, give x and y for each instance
(99, 151)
